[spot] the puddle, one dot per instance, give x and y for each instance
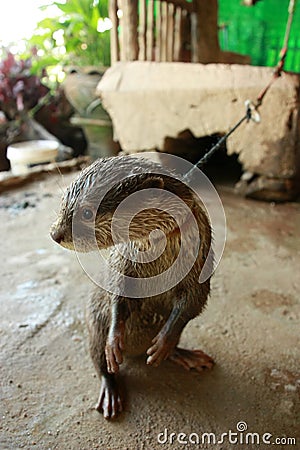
(283, 380)
(29, 306)
(16, 203)
(268, 301)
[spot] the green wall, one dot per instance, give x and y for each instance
(259, 31)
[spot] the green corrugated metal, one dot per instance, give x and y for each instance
(258, 31)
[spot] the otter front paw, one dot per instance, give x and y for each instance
(161, 349)
(113, 351)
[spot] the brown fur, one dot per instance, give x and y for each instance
(144, 317)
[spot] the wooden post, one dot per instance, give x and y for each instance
(122, 32)
(158, 29)
(114, 38)
(142, 30)
(170, 32)
(177, 35)
(164, 30)
(206, 34)
(195, 36)
(150, 25)
(183, 4)
(130, 33)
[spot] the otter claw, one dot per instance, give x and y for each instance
(109, 403)
(191, 359)
(160, 350)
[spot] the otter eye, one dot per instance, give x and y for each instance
(87, 214)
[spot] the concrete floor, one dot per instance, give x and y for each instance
(250, 327)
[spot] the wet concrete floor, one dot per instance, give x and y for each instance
(250, 327)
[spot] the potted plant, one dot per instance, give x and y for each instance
(79, 40)
(25, 97)
(20, 92)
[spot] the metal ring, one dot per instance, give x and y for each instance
(252, 111)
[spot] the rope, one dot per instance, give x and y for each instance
(252, 108)
(282, 55)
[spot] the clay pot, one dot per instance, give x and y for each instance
(80, 85)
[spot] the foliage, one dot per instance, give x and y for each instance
(73, 37)
(20, 90)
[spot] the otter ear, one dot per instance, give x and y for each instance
(151, 181)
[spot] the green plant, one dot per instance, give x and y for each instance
(78, 35)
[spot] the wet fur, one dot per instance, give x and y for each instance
(147, 315)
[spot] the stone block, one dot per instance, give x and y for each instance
(150, 101)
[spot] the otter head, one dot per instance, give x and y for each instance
(87, 208)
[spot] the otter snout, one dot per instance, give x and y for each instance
(57, 235)
(62, 237)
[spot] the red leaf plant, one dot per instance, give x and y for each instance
(20, 90)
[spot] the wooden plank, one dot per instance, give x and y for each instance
(158, 30)
(142, 30)
(194, 38)
(123, 30)
(150, 25)
(190, 7)
(129, 21)
(177, 35)
(164, 31)
(170, 31)
(114, 38)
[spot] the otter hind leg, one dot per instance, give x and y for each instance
(191, 359)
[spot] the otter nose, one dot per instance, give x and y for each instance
(57, 236)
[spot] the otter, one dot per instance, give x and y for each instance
(165, 215)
